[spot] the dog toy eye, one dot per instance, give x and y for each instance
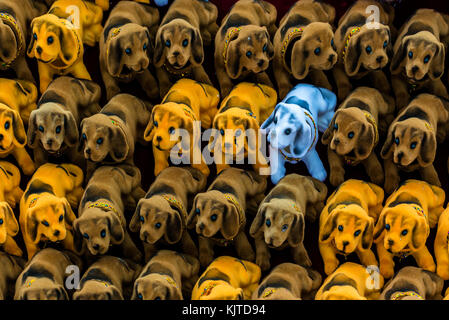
(157, 225)
(171, 130)
(7, 124)
(50, 40)
(238, 133)
(185, 43)
(34, 36)
(340, 228)
(1, 221)
(404, 232)
(140, 296)
(287, 131)
(248, 53)
(357, 233)
(103, 233)
(222, 132)
(335, 126)
(157, 298)
(168, 43)
(284, 227)
(61, 217)
(142, 219)
(387, 226)
(45, 223)
(413, 145)
(351, 135)
(213, 217)
(396, 140)
(265, 47)
(268, 222)
(58, 129)
(385, 43)
(317, 51)
(99, 140)
(84, 136)
(145, 46)
(410, 54)
(368, 49)
(332, 42)
(86, 236)
(128, 51)
(155, 123)
(426, 59)
(41, 128)
(197, 211)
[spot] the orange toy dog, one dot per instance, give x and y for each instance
(441, 246)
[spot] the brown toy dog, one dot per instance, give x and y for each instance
(288, 281)
(351, 281)
(109, 137)
(304, 30)
(280, 220)
(109, 278)
(43, 277)
(219, 214)
(10, 269)
(15, 19)
(441, 246)
(53, 127)
(242, 45)
(178, 51)
(404, 225)
(126, 47)
(412, 139)
(419, 54)
(354, 132)
(237, 124)
(363, 46)
(168, 276)
(161, 217)
(19, 95)
(412, 283)
(101, 215)
(186, 102)
(347, 223)
(45, 208)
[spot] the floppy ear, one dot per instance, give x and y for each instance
(12, 226)
(367, 236)
(380, 227)
(159, 56)
(32, 129)
(268, 124)
(233, 65)
(20, 136)
(251, 136)
(134, 224)
(270, 48)
(327, 136)
(150, 49)
(81, 140)
(114, 57)
(69, 215)
(352, 60)
(258, 220)
(118, 144)
(230, 225)
(61, 294)
(115, 294)
(328, 228)
(31, 226)
(299, 60)
(78, 240)
(398, 56)
(32, 44)
(296, 236)
(197, 56)
(149, 132)
(70, 46)
(387, 149)
(419, 234)
(115, 229)
(174, 227)
(71, 129)
(428, 149)
(437, 65)
(215, 136)
(365, 144)
(192, 218)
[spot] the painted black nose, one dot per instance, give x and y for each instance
(400, 155)
(159, 138)
(390, 242)
(56, 233)
(201, 226)
(260, 63)
(379, 58)
(49, 142)
(176, 53)
(415, 69)
(96, 246)
(88, 151)
(345, 243)
(336, 141)
(1, 137)
(39, 50)
(331, 57)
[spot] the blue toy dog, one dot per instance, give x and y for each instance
(292, 129)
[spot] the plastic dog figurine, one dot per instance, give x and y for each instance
(10, 269)
(227, 278)
(292, 129)
(404, 225)
(19, 95)
(441, 245)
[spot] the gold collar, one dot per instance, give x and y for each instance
(103, 205)
(178, 72)
(268, 292)
(295, 33)
(10, 21)
(176, 203)
(229, 35)
(369, 117)
(351, 33)
(240, 210)
(400, 294)
(208, 289)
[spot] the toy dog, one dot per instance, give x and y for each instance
(109, 137)
(227, 278)
(109, 278)
(187, 102)
(168, 276)
(126, 47)
(178, 51)
(404, 225)
(45, 208)
(44, 276)
(288, 281)
(219, 214)
(412, 138)
(292, 129)
(441, 245)
(419, 54)
(412, 283)
(242, 45)
(306, 28)
(53, 128)
(19, 95)
(15, 18)
(363, 47)
(354, 133)
(240, 116)
(351, 281)
(10, 194)
(280, 219)
(161, 216)
(10, 269)
(62, 54)
(347, 223)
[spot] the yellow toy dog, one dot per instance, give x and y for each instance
(247, 106)
(347, 223)
(441, 246)
(351, 281)
(227, 278)
(19, 95)
(186, 102)
(404, 225)
(45, 208)
(57, 45)
(10, 194)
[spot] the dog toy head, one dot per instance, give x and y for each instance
(128, 50)
(220, 290)
(159, 216)
(155, 286)
(97, 289)
(247, 48)
(8, 222)
(348, 227)
(12, 131)
(12, 38)
(419, 57)
(179, 44)
(41, 288)
(52, 127)
(341, 287)
(54, 41)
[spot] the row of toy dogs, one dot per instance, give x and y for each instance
(303, 46)
(171, 275)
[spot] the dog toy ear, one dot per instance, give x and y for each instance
(31, 225)
(12, 226)
(150, 48)
(328, 228)
(419, 234)
(71, 45)
(114, 62)
(134, 224)
(20, 136)
(296, 236)
(398, 56)
(70, 129)
(352, 60)
(433, 283)
(81, 140)
(258, 220)
(299, 61)
(175, 227)
(69, 215)
(366, 141)
(437, 65)
(428, 149)
(367, 236)
(192, 218)
(230, 225)
(268, 124)
(232, 64)
(328, 134)
(196, 47)
(32, 44)
(270, 47)
(159, 47)
(149, 132)
(387, 149)
(115, 229)
(78, 240)
(118, 144)
(380, 227)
